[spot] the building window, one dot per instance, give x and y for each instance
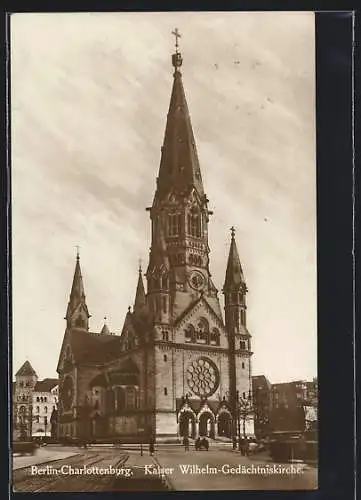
(203, 331)
(45, 420)
(45, 409)
(243, 364)
(174, 224)
(164, 282)
(194, 225)
(215, 337)
(21, 384)
(36, 419)
(37, 399)
(164, 304)
(45, 400)
(165, 335)
(243, 395)
(37, 409)
(165, 357)
(242, 345)
(190, 334)
(165, 391)
(130, 398)
(243, 317)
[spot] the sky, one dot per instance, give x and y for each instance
(89, 98)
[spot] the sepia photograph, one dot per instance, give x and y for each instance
(164, 277)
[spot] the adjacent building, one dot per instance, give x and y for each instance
(34, 404)
(262, 400)
(178, 365)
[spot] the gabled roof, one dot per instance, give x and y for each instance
(90, 347)
(25, 370)
(201, 300)
(46, 385)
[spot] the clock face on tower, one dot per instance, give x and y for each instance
(202, 377)
(196, 280)
(67, 393)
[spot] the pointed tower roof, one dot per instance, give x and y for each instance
(179, 166)
(234, 273)
(159, 255)
(140, 300)
(25, 370)
(77, 294)
(105, 330)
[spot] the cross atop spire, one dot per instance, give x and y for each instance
(177, 35)
(176, 58)
(233, 232)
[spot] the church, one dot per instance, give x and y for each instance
(178, 368)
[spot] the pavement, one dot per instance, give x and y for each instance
(42, 455)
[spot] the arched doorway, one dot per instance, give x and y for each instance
(187, 424)
(206, 424)
(224, 424)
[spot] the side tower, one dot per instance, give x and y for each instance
(74, 351)
(239, 339)
(26, 379)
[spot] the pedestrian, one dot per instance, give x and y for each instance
(186, 443)
(151, 447)
(242, 446)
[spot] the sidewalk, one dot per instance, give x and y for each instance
(41, 455)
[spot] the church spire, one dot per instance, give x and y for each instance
(140, 300)
(105, 330)
(179, 166)
(234, 273)
(77, 314)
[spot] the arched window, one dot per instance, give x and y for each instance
(215, 337)
(174, 224)
(243, 317)
(130, 398)
(242, 345)
(37, 399)
(37, 409)
(79, 322)
(110, 401)
(120, 399)
(165, 282)
(194, 224)
(45, 399)
(203, 331)
(190, 334)
(45, 409)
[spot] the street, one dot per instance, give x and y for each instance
(107, 468)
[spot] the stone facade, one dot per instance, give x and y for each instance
(34, 402)
(178, 367)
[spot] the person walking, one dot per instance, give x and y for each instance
(151, 446)
(186, 443)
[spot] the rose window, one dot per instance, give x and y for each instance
(202, 377)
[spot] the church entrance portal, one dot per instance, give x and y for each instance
(206, 425)
(187, 424)
(224, 425)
